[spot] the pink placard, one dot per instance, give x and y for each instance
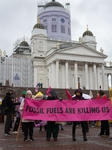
(67, 110)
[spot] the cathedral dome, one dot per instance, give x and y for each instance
(53, 3)
(89, 33)
(38, 25)
(24, 43)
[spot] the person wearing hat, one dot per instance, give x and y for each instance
(18, 115)
(8, 112)
(27, 124)
(78, 96)
(51, 126)
(105, 131)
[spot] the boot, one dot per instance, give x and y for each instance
(74, 139)
(84, 137)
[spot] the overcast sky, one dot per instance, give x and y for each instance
(17, 18)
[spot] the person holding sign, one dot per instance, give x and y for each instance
(27, 124)
(51, 126)
(104, 123)
(78, 97)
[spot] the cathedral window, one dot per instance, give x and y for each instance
(53, 19)
(68, 31)
(40, 46)
(62, 29)
(45, 20)
(54, 28)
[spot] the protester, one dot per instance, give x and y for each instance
(18, 114)
(8, 112)
(51, 126)
(104, 123)
(13, 112)
(78, 97)
(27, 124)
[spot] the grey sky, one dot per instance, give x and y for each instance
(17, 18)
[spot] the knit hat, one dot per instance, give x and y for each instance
(53, 93)
(29, 92)
(9, 90)
(79, 91)
(24, 92)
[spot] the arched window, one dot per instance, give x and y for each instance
(40, 46)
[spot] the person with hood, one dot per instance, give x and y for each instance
(104, 123)
(18, 115)
(51, 126)
(27, 124)
(78, 97)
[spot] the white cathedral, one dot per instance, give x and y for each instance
(53, 59)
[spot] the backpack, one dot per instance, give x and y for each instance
(4, 105)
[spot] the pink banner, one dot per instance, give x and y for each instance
(67, 110)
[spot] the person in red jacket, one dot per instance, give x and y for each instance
(104, 123)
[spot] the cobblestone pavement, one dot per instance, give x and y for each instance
(64, 142)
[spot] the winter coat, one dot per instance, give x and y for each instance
(21, 108)
(102, 97)
(18, 115)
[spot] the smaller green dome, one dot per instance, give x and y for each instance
(89, 33)
(38, 25)
(23, 43)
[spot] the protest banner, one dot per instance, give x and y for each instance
(67, 110)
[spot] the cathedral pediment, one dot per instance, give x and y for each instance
(82, 50)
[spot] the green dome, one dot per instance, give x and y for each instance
(89, 33)
(38, 25)
(23, 43)
(53, 3)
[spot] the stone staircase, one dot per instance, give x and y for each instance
(61, 92)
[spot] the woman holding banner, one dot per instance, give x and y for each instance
(78, 97)
(27, 124)
(104, 123)
(51, 126)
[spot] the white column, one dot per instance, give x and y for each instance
(90, 78)
(86, 76)
(111, 81)
(35, 76)
(103, 77)
(98, 78)
(57, 73)
(53, 75)
(95, 77)
(63, 76)
(76, 75)
(49, 74)
(107, 81)
(66, 75)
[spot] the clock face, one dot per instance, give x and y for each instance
(62, 20)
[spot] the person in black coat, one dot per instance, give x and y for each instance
(78, 97)
(8, 112)
(51, 126)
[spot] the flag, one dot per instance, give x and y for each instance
(110, 94)
(38, 94)
(36, 89)
(48, 90)
(68, 94)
